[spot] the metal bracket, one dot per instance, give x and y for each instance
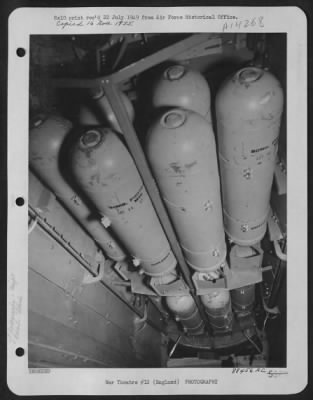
(122, 270)
(244, 271)
(205, 286)
(139, 286)
(88, 278)
(137, 283)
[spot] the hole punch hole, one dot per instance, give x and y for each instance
(19, 201)
(20, 351)
(20, 52)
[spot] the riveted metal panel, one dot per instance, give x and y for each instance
(47, 299)
(52, 261)
(47, 333)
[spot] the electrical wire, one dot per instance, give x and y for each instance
(174, 347)
(279, 253)
(264, 323)
(252, 342)
(268, 317)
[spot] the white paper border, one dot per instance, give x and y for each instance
(26, 21)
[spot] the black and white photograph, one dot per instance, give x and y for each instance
(193, 272)
(157, 220)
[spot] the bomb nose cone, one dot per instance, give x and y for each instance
(180, 86)
(90, 139)
(250, 75)
(175, 72)
(174, 119)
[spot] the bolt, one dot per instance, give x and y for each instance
(247, 173)
(245, 227)
(215, 253)
(208, 206)
(136, 262)
(105, 222)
